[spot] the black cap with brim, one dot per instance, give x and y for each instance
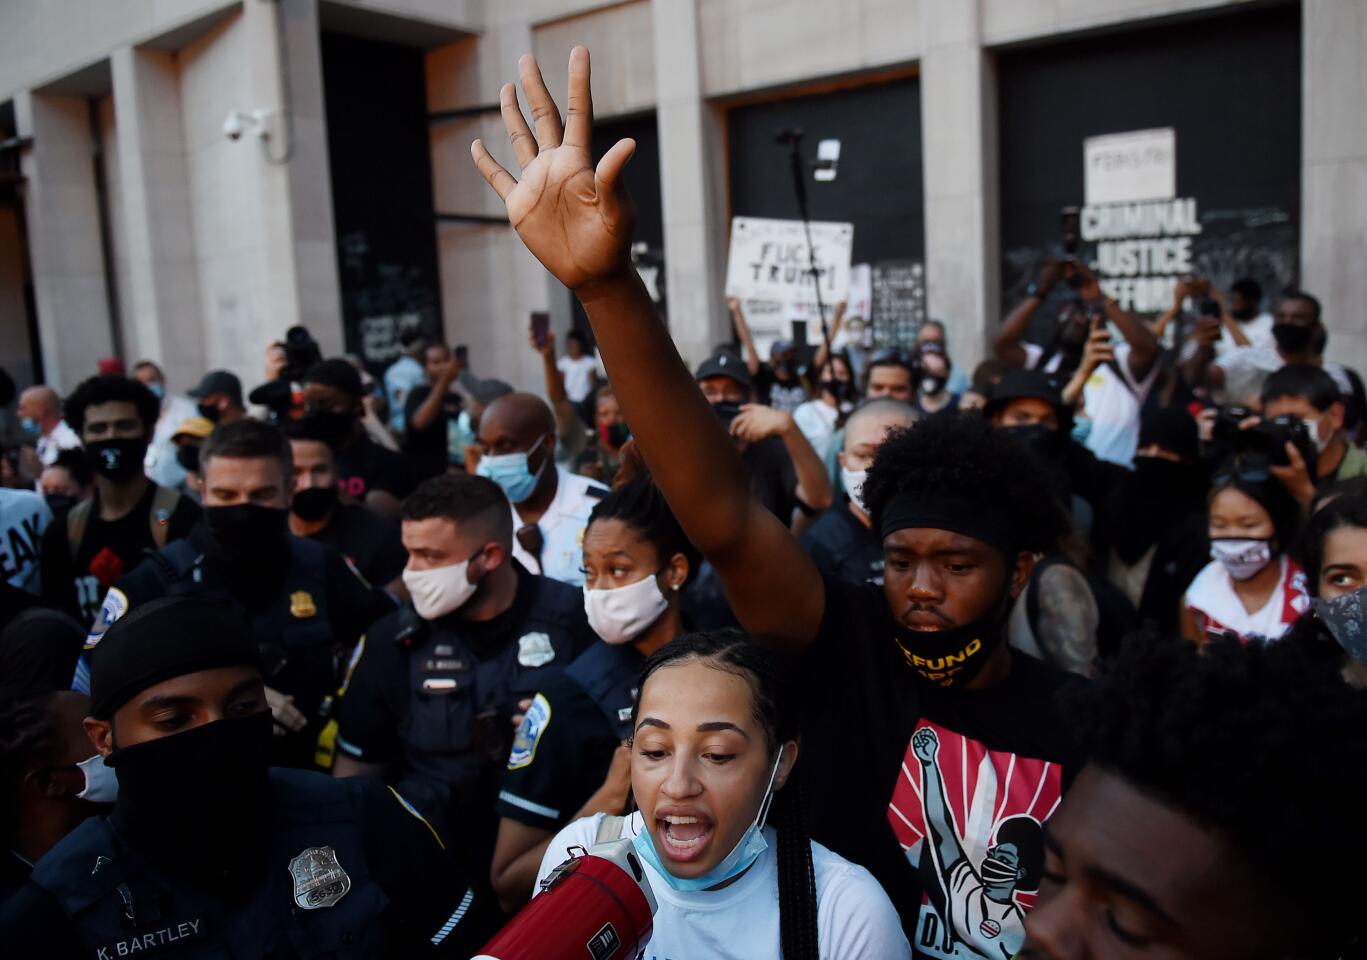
(164, 639)
(215, 382)
(1026, 385)
(724, 365)
(338, 373)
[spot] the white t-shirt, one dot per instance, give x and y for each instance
(817, 420)
(1258, 331)
(1110, 403)
(578, 375)
(1217, 609)
(24, 515)
(562, 529)
(160, 464)
(1246, 368)
(855, 920)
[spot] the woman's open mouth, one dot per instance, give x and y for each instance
(683, 837)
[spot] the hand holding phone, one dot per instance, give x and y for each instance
(541, 329)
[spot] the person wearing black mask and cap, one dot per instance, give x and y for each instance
(308, 606)
(1156, 540)
(218, 396)
(105, 537)
(368, 474)
(208, 851)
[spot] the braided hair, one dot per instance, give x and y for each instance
(26, 737)
(775, 708)
(639, 504)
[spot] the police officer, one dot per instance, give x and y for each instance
(307, 605)
(434, 687)
(842, 542)
(568, 760)
(550, 505)
(208, 852)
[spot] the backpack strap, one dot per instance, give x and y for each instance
(164, 503)
(77, 519)
(609, 828)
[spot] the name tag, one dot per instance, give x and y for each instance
(137, 945)
(441, 665)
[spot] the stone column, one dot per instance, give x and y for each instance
(62, 212)
(959, 145)
(1334, 171)
(165, 322)
(691, 171)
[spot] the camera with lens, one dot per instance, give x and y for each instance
(1269, 438)
(301, 352)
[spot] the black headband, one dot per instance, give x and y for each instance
(985, 521)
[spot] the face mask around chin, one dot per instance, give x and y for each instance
(441, 590)
(624, 613)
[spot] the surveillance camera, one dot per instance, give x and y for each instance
(232, 127)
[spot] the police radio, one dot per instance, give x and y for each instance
(596, 905)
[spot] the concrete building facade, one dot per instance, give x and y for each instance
(136, 227)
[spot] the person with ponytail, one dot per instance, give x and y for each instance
(720, 821)
(568, 760)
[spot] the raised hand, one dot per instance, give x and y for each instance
(575, 219)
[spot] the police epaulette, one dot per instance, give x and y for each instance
(596, 493)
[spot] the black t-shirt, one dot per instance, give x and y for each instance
(109, 549)
(844, 548)
(1002, 754)
(426, 889)
(427, 448)
(371, 542)
(773, 479)
(366, 466)
(781, 395)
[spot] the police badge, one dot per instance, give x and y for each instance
(319, 880)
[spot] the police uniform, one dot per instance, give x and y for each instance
(564, 746)
(439, 696)
(352, 874)
(844, 548)
(562, 529)
(307, 615)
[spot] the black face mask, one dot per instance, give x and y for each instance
(118, 459)
(727, 411)
(931, 386)
(952, 657)
(1049, 443)
(1244, 313)
(1292, 337)
(187, 455)
(60, 502)
(314, 503)
(329, 426)
(208, 413)
(245, 531)
(198, 802)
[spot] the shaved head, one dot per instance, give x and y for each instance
(44, 399)
(518, 417)
(880, 414)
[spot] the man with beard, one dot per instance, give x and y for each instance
(1156, 540)
(209, 849)
(960, 508)
(106, 536)
(307, 605)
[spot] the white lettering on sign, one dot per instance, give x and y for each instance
(1128, 167)
(1141, 249)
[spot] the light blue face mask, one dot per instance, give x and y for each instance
(735, 863)
(157, 389)
(510, 471)
(1082, 429)
(28, 425)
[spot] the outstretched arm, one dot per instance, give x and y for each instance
(747, 341)
(1008, 345)
(925, 744)
(577, 221)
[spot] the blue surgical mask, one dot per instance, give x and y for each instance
(1082, 429)
(735, 863)
(157, 389)
(510, 471)
(28, 425)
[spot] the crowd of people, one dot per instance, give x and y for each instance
(866, 654)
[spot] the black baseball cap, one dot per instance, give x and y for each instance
(216, 382)
(336, 372)
(1026, 384)
(724, 365)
